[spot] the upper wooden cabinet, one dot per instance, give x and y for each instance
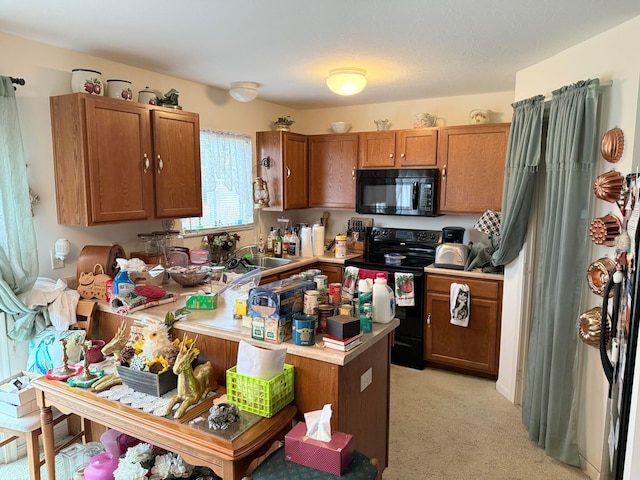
(332, 170)
(286, 174)
(471, 159)
(117, 161)
(413, 148)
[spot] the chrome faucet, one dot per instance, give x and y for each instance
(251, 248)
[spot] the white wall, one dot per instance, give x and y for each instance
(609, 56)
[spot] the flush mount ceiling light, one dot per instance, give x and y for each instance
(346, 81)
(244, 91)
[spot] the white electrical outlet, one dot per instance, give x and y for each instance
(365, 379)
(56, 263)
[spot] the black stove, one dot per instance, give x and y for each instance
(418, 247)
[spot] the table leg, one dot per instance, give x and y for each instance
(46, 422)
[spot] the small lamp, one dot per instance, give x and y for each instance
(347, 81)
(260, 194)
(244, 91)
(489, 224)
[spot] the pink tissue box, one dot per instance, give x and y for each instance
(332, 457)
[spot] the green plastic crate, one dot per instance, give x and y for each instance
(262, 397)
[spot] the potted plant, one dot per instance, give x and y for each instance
(283, 124)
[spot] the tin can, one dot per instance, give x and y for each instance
(311, 302)
(335, 293)
(324, 312)
(322, 282)
(314, 271)
(366, 318)
(345, 309)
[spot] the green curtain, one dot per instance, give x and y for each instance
(523, 157)
(18, 248)
(549, 403)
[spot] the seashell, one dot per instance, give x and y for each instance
(608, 186)
(612, 145)
(598, 275)
(590, 327)
(604, 230)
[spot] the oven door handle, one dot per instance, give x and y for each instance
(415, 195)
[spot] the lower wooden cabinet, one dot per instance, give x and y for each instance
(333, 272)
(475, 348)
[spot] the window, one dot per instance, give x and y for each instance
(227, 199)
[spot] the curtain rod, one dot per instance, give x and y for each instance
(606, 84)
(19, 81)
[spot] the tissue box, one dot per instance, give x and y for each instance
(332, 457)
(278, 299)
(203, 302)
(343, 326)
(20, 403)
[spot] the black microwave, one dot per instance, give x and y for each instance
(397, 192)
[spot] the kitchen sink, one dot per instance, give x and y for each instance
(269, 262)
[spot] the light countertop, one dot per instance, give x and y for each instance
(462, 273)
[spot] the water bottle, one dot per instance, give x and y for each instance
(365, 295)
(384, 305)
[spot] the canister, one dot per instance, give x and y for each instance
(304, 329)
(345, 309)
(311, 302)
(335, 293)
(322, 282)
(341, 246)
(86, 81)
(119, 89)
(324, 311)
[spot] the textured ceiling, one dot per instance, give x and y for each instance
(411, 49)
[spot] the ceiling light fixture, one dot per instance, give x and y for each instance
(244, 91)
(346, 81)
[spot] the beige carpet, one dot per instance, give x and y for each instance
(447, 426)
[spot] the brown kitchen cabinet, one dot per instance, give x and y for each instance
(117, 161)
(332, 170)
(282, 161)
(333, 272)
(471, 159)
(471, 349)
(415, 148)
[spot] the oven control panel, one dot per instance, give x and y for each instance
(429, 237)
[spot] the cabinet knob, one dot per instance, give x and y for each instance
(402, 155)
(353, 172)
(429, 320)
(444, 172)
(288, 172)
(391, 155)
(160, 165)
(145, 163)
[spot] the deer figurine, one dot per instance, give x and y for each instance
(193, 383)
(114, 347)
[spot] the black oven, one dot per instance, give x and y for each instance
(418, 247)
(397, 192)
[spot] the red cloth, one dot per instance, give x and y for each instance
(152, 292)
(364, 273)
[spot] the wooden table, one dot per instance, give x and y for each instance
(229, 459)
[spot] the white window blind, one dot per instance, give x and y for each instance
(227, 198)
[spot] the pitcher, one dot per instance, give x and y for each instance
(382, 124)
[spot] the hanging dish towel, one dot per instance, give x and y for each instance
(350, 282)
(405, 292)
(460, 304)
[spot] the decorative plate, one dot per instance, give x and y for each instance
(612, 145)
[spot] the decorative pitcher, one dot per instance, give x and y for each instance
(382, 124)
(425, 120)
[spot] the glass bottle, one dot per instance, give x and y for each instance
(277, 246)
(271, 238)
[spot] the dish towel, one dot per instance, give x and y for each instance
(460, 304)
(405, 292)
(132, 301)
(350, 282)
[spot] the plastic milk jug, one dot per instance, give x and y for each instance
(365, 295)
(384, 303)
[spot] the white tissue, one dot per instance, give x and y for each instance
(133, 265)
(318, 240)
(306, 244)
(259, 362)
(319, 424)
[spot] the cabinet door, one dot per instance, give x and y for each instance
(334, 273)
(118, 145)
(471, 159)
(416, 148)
(377, 150)
(296, 176)
(271, 167)
(332, 170)
(176, 164)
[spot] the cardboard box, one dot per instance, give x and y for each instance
(257, 328)
(343, 326)
(18, 411)
(278, 299)
(21, 397)
(278, 329)
(203, 302)
(332, 457)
